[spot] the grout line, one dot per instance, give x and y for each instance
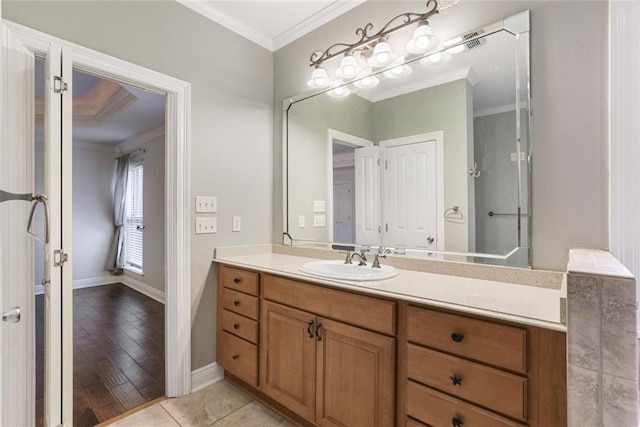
(231, 413)
(169, 413)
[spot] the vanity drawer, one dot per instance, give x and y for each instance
(370, 313)
(240, 303)
(492, 388)
(239, 358)
(413, 423)
(240, 326)
(240, 280)
(498, 345)
(438, 409)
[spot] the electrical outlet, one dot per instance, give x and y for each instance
(319, 221)
(206, 204)
(319, 206)
(206, 225)
(301, 221)
(236, 224)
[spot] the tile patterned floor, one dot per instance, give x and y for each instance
(219, 405)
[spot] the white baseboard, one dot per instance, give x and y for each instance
(86, 283)
(143, 288)
(205, 376)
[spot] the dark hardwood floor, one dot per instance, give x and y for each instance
(118, 352)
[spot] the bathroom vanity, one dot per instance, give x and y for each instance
(385, 353)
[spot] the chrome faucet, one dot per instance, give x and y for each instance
(363, 258)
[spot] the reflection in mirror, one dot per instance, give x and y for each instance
(433, 160)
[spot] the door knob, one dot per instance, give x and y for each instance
(12, 316)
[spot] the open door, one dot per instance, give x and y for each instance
(17, 331)
(58, 282)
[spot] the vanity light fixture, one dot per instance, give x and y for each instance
(375, 48)
(319, 78)
(437, 58)
(400, 70)
(445, 4)
(339, 91)
(366, 81)
(423, 39)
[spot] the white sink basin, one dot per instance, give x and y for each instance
(335, 269)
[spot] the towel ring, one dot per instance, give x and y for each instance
(453, 213)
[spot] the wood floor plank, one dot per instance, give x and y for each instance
(118, 352)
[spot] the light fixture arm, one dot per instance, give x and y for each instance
(318, 57)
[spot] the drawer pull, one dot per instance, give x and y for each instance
(319, 338)
(236, 325)
(309, 325)
(235, 356)
(457, 337)
(236, 302)
(236, 280)
(456, 380)
(456, 422)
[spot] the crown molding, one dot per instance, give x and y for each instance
(462, 73)
(207, 10)
(332, 11)
(315, 21)
(140, 139)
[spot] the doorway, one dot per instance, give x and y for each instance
(118, 316)
(24, 46)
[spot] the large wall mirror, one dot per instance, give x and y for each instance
(434, 161)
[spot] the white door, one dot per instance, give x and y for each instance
(410, 196)
(17, 334)
(367, 214)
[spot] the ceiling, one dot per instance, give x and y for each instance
(271, 24)
(104, 111)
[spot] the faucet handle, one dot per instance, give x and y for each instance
(376, 261)
(347, 260)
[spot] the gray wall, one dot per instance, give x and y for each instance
(93, 178)
(231, 128)
(309, 121)
(569, 84)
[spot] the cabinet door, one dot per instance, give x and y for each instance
(288, 357)
(355, 377)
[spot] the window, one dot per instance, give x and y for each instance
(133, 219)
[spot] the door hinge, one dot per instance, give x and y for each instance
(386, 227)
(59, 258)
(59, 85)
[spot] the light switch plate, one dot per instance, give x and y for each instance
(206, 204)
(319, 221)
(514, 156)
(206, 225)
(319, 206)
(301, 221)
(236, 224)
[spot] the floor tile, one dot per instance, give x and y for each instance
(207, 406)
(253, 414)
(155, 416)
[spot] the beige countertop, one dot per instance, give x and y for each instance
(531, 305)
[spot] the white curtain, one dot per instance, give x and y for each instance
(116, 261)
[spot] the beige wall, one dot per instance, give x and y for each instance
(569, 57)
(231, 115)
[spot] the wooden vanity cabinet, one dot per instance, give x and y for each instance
(338, 358)
(327, 370)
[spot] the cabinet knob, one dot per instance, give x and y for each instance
(236, 302)
(236, 280)
(456, 380)
(235, 356)
(457, 337)
(236, 326)
(456, 422)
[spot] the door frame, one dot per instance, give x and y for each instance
(177, 189)
(438, 137)
(350, 141)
